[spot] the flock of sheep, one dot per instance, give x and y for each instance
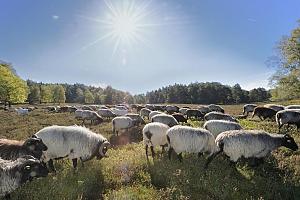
(22, 161)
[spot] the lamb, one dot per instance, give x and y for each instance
(218, 126)
(274, 107)
(172, 109)
(73, 142)
(22, 111)
(191, 140)
(145, 112)
(255, 144)
(219, 116)
(119, 112)
(15, 173)
(13, 149)
(155, 134)
(248, 108)
(136, 118)
(179, 117)
(264, 113)
(106, 113)
(165, 119)
(153, 113)
(293, 107)
(119, 123)
(288, 117)
(194, 113)
(216, 108)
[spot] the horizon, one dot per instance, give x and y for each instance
(139, 46)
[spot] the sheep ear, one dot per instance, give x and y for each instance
(34, 136)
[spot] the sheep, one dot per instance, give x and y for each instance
(13, 149)
(119, 112)
(179, 117)
(65, 108)
(219, 116)
(119, 123)
(191, 140)
(217, 108)
(274, 107)
(293, 107)
(149, 106)
(136, 118)
(121, 107)
(73, 142)
(88, 115)
(165, 119)
(153, 113)
(218, 126)
(86, 108)
(145, 112)
(22, 111)
(288, 117)
(106, 113)
(159, 108)
(264, 113)
(137, 107)
(194, 113)
(255, 144)
(51, 108)
(183, 110)
(15, 173)
(204, 109)
(171, 109)
(155, 134)
(248, 108)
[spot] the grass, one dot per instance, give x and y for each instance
(127, 174)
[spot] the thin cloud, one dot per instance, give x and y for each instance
(55, 17)
(251, 20)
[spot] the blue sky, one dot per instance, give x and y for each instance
(180, 41)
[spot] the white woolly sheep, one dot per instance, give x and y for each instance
(88, 115)
(218, 126)
(119, 112)
(216, 108)
(291, 116)
(153, 113)
(248, 108)
(155, 134)
(165, 119)
(15, 173)
(120, 123)
(219, 116)
(191, 140)
(138, 120)
(145, 112)
(255, 144)
(106, 113)
(73, 142)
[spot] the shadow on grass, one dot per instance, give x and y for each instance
(134, 135)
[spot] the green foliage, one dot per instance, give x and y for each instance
(34, 94)
(59, 94)
(46, 94)
(88, 97)
(12, 88)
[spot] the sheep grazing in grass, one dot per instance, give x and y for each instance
(155, 134)
(120, 123)
(13, 149)
(216, 108)
(288, 117)
(172, 109)
(145, 112)
(153, 113)
(106, 113)
(15, 173)
(293, 107)
(264, 113)
(169, 120)
(218, 126)
(150, 106)
(179, 117)
(87, 108)
(204, 109)
(248, 108)
(274, 107)
(119, 112)
(22, 111)
(197, 114)
(138, 120)
(88, 115)
(255, 144)
(73, 142)
(219, 116)
(191, 140)
(183, 110)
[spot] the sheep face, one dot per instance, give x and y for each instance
(35, 144)
(102, 150)
(32, 168)
(289, 142)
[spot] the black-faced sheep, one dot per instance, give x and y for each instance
(218, 126)
(248, 108)
(179, 117)
(121, 123)
(289, 117)
(216, 108)
(219, 116)
(264, 113)
(165, 119)
(197, 114)
(145, 112)
(274, 107)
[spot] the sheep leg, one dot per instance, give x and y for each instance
(74, 162)
(200, 154)
(7, 196)
(170, 152)
(51, 166)
(82, 164)
(152, 151)
(212, 156)
(146, 148)
(162, 150)
(179, 156)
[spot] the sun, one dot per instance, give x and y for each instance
(124, 26)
